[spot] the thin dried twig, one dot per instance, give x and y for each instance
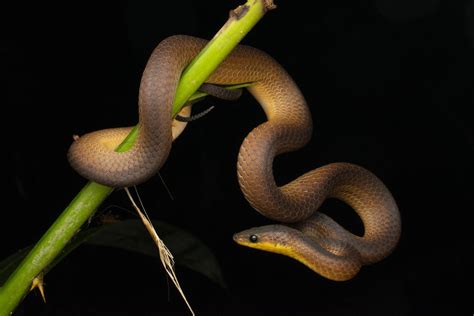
(166, 256)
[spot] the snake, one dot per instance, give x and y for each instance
(302, 232)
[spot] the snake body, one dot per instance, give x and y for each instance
(307, 235)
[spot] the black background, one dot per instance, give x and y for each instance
(389, 84)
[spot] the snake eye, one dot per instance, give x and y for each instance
(253, 238)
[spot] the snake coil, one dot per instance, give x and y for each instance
(306, 235)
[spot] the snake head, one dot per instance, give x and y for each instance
(339, 263)
(271, 238)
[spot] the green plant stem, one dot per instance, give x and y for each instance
(92, 195)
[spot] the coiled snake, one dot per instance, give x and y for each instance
(307, 235)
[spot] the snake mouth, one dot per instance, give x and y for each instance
(249, 238)
(240, 238)
(264, 237)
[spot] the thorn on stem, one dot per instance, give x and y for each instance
(38, 283)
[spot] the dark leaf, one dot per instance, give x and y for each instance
(188, 251)
(131, 235)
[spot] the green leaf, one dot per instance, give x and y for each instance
(131, 235)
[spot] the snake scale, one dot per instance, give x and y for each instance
(304, 234)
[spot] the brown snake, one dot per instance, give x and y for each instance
(310, 236)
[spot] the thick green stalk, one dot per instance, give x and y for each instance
(51, 244)
(92, 195)
(240, 22)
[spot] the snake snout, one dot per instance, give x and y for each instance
(263, 237)
(241, 238)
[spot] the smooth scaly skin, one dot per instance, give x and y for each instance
(318, 241)
(288, 128)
